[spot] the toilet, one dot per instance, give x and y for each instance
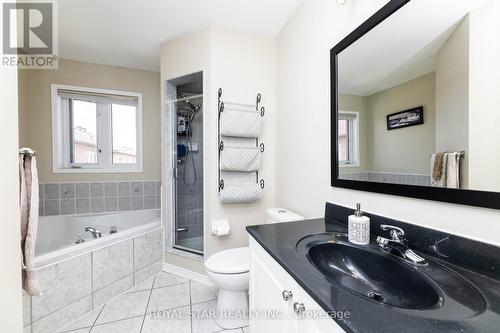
(229, 271)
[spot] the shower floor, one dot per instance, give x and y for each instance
(195, 243)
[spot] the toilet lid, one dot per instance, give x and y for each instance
(232, 261)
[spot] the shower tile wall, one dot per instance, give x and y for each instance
(393, 178)
(190, 196)
(98, 197)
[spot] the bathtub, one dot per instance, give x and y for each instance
(57, 234)
(77, 278)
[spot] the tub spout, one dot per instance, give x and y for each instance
(95, 233)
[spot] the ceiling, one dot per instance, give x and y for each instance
(401, 48)
(128, 33)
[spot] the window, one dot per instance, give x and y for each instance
(348, 140)
(96, 130)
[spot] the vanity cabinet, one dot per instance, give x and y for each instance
(276, 300)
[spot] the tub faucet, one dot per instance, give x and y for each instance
(95, 233)
(398, 245)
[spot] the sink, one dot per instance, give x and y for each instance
(374, 276)
(436, 291)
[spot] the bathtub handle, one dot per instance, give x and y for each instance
(79, 239)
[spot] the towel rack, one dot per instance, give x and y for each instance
(27, 152)
(220, 141)
(462, 154)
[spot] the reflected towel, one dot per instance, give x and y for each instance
(453, 170)
(28, 177)
(439, 159)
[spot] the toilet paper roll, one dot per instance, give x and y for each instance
(220, 227)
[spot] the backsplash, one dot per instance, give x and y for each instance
(386, 177)
(98, 197)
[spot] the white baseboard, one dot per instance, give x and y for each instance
(191, 275)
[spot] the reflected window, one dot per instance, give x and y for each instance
(348, 138)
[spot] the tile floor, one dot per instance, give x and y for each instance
(160, 304)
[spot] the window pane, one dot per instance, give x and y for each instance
(83, 132)
(124, 133)
(343, 141)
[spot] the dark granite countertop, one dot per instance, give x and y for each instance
(280, 241)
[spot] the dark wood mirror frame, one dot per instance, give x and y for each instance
(464, 197)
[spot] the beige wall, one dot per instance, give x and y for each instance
(303, 182)
(36, 122)
(404, 150)
(243, 64)
(11, 315)
(452, 96)
(358, 104)
(484, 100)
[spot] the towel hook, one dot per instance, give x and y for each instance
(262, 147)
(259, 98)
(221, 146)
(262, 111)
(262, 184)
(221, 185)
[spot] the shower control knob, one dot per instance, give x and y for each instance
(287, 295)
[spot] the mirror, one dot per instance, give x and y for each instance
(416, 102)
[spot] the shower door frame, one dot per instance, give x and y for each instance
(170, 170)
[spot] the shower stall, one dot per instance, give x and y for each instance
(184, 157)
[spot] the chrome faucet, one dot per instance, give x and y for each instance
(95, 233)
(398, 245)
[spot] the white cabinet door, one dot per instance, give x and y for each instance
(269, 311)
(314, 319)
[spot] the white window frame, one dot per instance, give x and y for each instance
(60, 135)
(353, 138)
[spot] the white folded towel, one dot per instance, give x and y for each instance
(240, 158)
(234, 194)
(240, 121)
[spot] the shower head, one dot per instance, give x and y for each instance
(191, 105)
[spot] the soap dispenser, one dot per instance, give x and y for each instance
(359, 227)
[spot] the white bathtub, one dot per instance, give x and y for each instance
(57, 234)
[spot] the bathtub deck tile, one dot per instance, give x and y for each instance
(116, 288)
(55, 320)
(62, 284)
(148, 271)
(112, 263)
(147, 249)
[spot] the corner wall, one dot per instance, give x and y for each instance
(11, 313)
(303, 184)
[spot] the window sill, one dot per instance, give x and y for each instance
(89, 170)
(349, 165)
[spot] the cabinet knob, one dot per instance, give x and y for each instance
(299, 308)
(287, 295)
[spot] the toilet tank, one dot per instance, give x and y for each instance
(278, 215)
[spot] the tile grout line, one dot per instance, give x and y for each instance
(190, 306)
(147, 304)
(95, 320)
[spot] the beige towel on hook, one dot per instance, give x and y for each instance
(29, 221)
(441, 180)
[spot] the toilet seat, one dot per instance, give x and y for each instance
(232, 261)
